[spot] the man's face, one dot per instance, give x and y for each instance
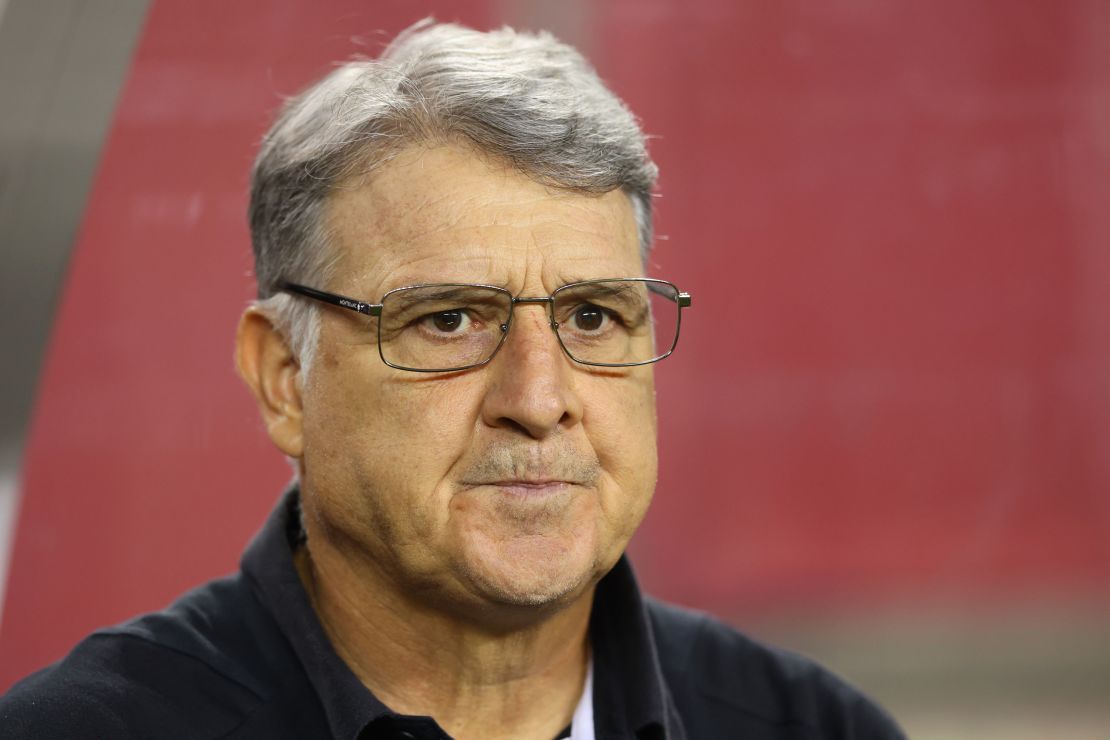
(516, 483)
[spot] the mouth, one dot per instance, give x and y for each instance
(527, 488)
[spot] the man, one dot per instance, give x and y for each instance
(453, 345)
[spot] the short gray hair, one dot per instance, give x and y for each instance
(528, 99)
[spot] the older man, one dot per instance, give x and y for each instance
(453, 344)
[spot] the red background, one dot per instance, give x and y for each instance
(892, 391)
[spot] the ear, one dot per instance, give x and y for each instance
(268, 366)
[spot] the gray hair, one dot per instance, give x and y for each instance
(528, 99)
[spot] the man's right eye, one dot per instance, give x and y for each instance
(448, 322)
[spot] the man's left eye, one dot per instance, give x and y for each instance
(590, 317)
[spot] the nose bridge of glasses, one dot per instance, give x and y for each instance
(549, 301)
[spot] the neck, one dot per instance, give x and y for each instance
(518, 681)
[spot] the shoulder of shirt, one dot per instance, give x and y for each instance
(714, 671)
(173, 672)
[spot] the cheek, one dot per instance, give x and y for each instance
(374, 430)
(626, 406)
(623, 432)
(421, 433)
(377, 452)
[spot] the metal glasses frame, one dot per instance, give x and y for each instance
(660, 287)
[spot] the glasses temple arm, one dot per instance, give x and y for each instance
(370, 309)
(682, 299)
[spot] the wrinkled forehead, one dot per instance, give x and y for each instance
(447, 213)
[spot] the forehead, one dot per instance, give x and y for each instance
(447, 214)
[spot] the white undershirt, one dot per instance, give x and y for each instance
(582, 725)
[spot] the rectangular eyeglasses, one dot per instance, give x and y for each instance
(447, 327)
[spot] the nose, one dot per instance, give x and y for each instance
(532, 384)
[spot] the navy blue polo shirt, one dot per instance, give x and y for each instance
(246, 657)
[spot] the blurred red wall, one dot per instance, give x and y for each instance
(893, 388)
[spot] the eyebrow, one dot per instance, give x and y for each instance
(412, 295)
(615, 290)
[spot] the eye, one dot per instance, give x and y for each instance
(589, 317)
(449, 322)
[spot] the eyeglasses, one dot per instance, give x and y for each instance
(614, 322)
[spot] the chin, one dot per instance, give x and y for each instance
(531, 574)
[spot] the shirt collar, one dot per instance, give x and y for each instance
(630, 696)
(268, 563)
